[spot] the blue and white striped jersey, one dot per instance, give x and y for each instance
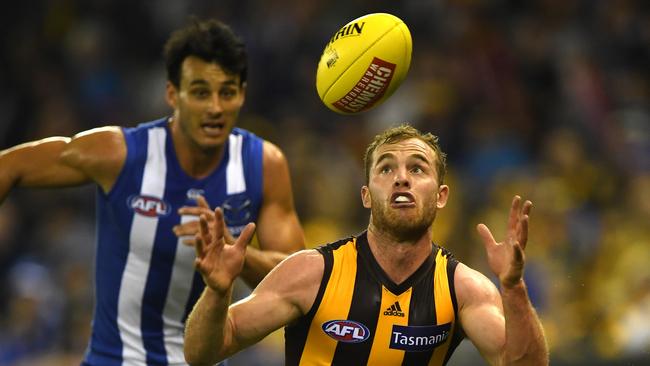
(145, 278)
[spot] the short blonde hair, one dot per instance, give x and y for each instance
(404, 132)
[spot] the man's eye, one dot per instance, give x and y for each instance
(417, 170)
(228, 93)
(385, 170)
(200, 93)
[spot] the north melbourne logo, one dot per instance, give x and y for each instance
(237, 210)
(194, 193)
(394, 310)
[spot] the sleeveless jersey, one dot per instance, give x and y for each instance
(361, 317)
(146, 284)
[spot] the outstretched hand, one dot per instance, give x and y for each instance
(219, 262)
(189, 229)
(506, 258)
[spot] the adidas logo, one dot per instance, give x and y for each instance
(394, 310)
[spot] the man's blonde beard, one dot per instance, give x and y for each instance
(402, 228)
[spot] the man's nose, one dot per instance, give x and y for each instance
(215, 105)
(401, 178)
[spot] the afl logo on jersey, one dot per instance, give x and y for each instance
(149, 206)
(347, 331)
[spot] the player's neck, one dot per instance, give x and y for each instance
(398, 259)
(195, 161)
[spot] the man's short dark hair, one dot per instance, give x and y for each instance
(209, 40)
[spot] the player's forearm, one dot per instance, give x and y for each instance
(205, 329)
(525, 341)
(258, 264)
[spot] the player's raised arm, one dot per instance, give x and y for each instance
(278, 228)
(95, 155)
(215, 331)
(502, 324)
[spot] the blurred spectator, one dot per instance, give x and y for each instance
(33, 316)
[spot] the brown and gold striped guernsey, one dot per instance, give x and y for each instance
(361, 317)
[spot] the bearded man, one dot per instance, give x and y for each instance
(389, 296)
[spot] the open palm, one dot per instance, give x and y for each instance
(506, 258)
(218, 262)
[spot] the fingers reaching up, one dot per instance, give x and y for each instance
(219, 262)
(523, 223)
(506, 258)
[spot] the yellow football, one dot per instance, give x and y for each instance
(364, 63)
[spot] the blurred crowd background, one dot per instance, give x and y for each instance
(545, 98)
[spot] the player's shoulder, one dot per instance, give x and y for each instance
(296, 279)
(473, 286)
(302, 267)
(99, 152)
(273, 156)
(304, 256)
(99, 132)
(98, 142)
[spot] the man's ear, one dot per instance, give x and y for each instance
(442, 196)
(365, 197)
(171, 95)
(244, 86)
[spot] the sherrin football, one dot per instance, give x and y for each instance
(364, 63)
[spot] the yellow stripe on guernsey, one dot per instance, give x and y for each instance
(320, 348)
(380, 353)
(444, 306)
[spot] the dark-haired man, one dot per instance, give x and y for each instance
(152, 182)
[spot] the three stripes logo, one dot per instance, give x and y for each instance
(394, 310)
